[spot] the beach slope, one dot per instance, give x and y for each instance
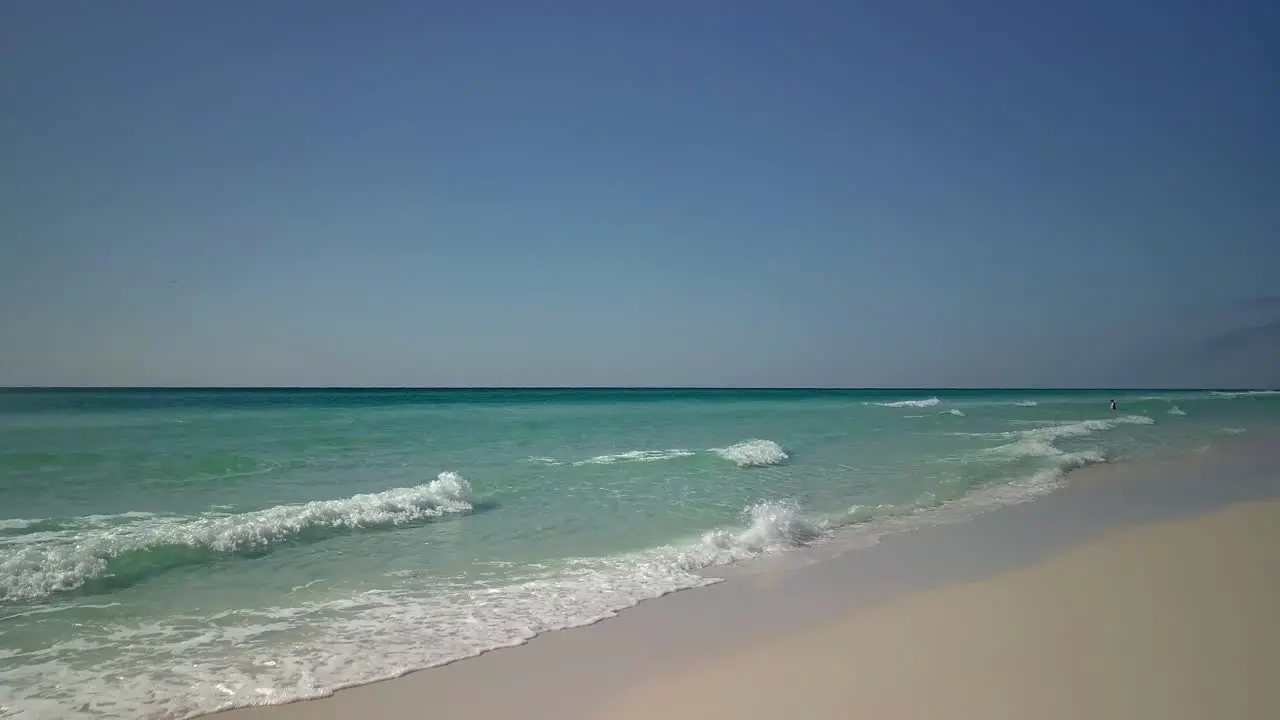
(1175, 619)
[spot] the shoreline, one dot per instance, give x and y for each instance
(1171, 619)
(566, 672)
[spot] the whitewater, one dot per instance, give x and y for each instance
(171, 553)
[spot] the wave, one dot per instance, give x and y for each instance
(18, 523)
(1244, 393)
(411, 628)
(637, 456)
(1080, 428)
(1026, 403)
(1175, 410)
(953, 411)
(1039, 442)
(414, 629)
(745, 454)
(878, 520)
(116, 555)
(929, 402)
(928, 508)
(753, 453)
(777, 525)
(771, 526)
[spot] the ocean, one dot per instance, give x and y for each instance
(167, 553)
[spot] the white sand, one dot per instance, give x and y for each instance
(1178, 619)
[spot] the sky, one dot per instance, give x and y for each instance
(525, 192)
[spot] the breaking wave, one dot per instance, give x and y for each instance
(412, 628)
(929, 402)
(770, 526)
(753, 453)
(1039, 442)
(637, 456)
(745, 454)
(121, 553)
(777, 525)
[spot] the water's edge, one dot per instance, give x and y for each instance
(852, 569)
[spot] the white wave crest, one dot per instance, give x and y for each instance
(244, 663)
(1175, 410)
(780, 525)
(1039, 442)
(1086, 427)
(18, 523)
(56, 565)
(1245, 393)
(929, 402)
(953, 411)
(753, 453)
(1041, 482)
(772, 526)
(637, 456)
(1026, 403)
(748, 453)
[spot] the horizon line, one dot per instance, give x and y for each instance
(464, 388)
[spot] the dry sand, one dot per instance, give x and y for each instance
(1171, 620)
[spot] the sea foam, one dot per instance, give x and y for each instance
(753, 453)
(637, 456)
(377, 635)
(745, 454)
(1039, 442)
(928, 402)
(772, 525)
(39, 569)
(313, 643)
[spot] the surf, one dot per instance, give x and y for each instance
(102, 557)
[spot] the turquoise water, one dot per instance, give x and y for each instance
(167, 553)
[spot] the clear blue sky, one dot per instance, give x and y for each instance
(640, 193)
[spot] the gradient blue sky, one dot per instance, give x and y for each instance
(639, 193)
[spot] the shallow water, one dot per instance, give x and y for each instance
(164, 553)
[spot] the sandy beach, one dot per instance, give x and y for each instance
(1169, 620)
(1142, 593)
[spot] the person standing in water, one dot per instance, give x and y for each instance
(1113, 405)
